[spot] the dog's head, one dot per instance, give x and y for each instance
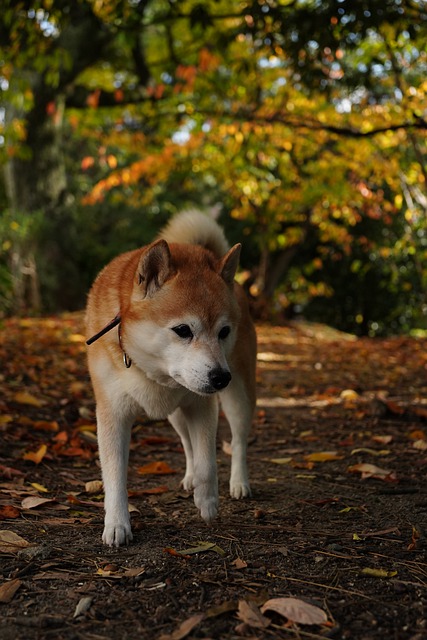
(181, 325)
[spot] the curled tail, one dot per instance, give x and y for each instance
(195, 227)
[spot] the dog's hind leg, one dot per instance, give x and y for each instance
(179, 423)
(238, 404)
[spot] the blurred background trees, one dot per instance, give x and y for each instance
(300, 123)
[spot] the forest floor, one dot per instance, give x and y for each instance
(331, 545)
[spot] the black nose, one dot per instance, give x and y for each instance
(219, 378)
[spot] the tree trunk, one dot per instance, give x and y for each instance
(36, 187)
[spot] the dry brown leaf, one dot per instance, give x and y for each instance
(249, 613)
(94, 486)
(184, 628)
(8, 590)
(382, 439)
(372, 471)
(296, 610)
(10, 542)
(32, 502)
(239, 563)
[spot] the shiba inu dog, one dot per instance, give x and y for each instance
(183, 339)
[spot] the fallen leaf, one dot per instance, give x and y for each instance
(94, 486)
(134, 572)
(379, 573)
(23, 397)
(45, 425)
(36, 456)
(8, 590)
(9, 472)
(9, 511)
(184, 628)
(296, 610)
(349, 395)
(372, 471)
(415, 538)
(249, 613)
(32, 502)
(420, 445)
(239, 563)
(83, 605)
(371, 452)
(10, 542)
(6, 418)
(134, 493)
(156, 468)
(323, 456)
(280, 460)
(39, 487)
(382, 439)
(201, 548)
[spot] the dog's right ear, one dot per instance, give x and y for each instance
(153, 268)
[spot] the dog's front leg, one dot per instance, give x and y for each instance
(113, 442)
(202, 422)
(238, 405)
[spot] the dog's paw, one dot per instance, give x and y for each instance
(187, 482)
(207, 505)
(240, 490)
(117, 534)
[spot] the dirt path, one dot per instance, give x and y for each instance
(337, 520)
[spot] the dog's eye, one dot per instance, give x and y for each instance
(183, 331)
(224, 333)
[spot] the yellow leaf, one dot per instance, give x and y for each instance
(5, 419)
(39, 487)
(23, 397)
(379, 573)
(323, 456)
(372, 452)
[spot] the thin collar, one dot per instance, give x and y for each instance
(116, 321)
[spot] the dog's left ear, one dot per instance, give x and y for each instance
(229, 263)
(153, 268)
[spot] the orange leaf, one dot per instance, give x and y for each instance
(44, 425)
(36, 456)
(147, 492)
(9, 511)
(156, 468)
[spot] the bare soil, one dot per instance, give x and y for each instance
(322, 529)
